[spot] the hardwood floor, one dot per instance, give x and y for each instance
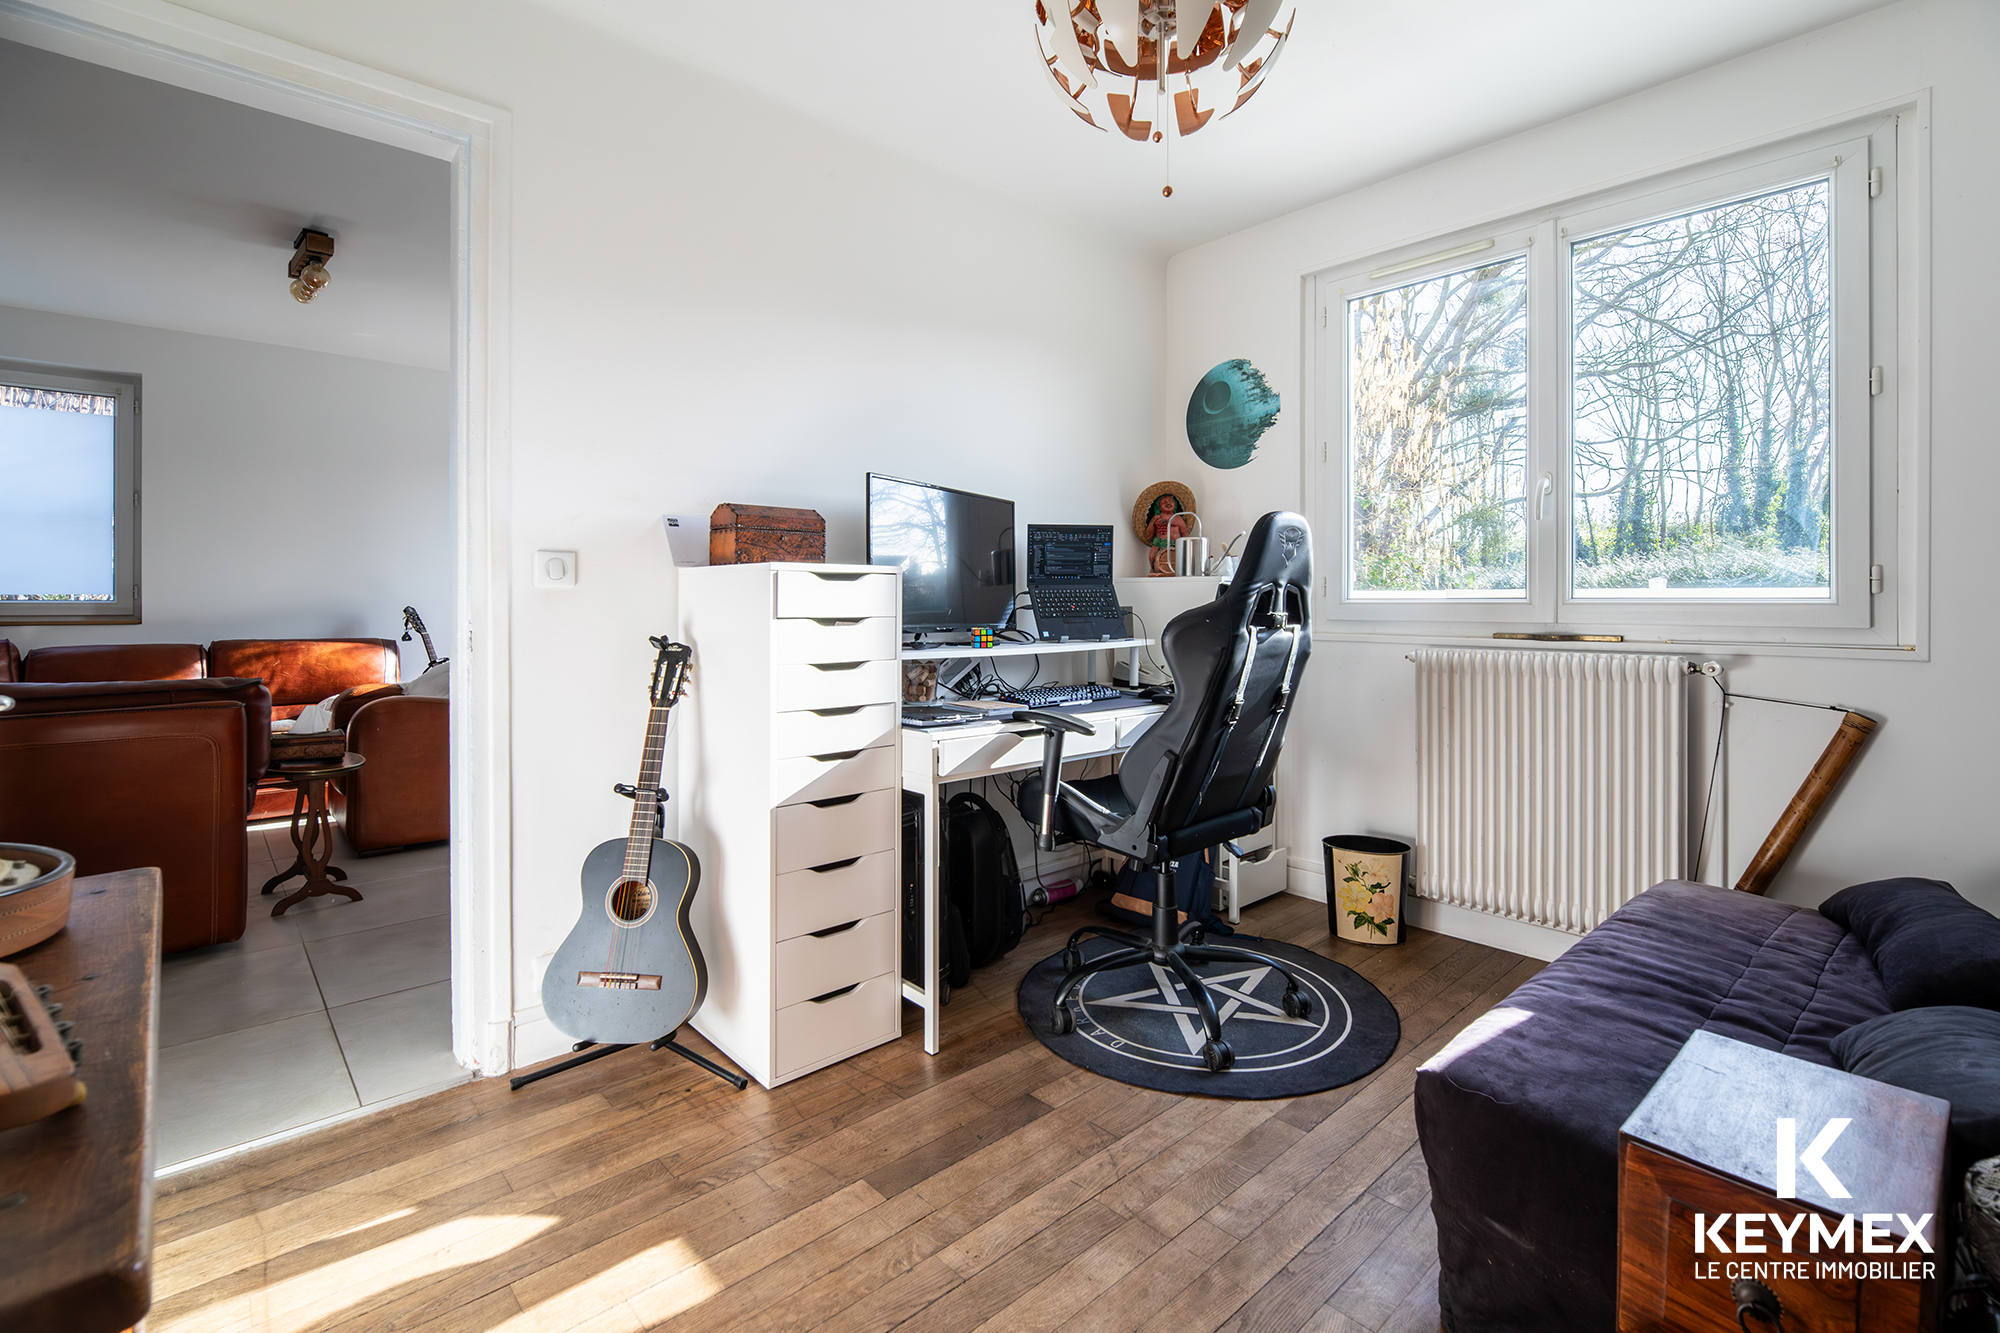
(990, 1187)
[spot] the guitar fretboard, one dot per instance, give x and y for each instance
(645, 807)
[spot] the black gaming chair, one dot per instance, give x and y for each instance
(1201, 774)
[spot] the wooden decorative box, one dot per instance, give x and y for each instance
(765, 534)
(1705, 1149)
(291, 746)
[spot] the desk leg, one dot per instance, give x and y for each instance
(933, 923)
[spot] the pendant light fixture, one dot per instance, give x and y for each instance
(1157, 69)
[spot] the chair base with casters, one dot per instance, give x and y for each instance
(1178, 950)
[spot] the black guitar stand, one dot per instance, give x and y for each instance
(596, 1052)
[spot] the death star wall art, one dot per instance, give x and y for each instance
(1231, 409)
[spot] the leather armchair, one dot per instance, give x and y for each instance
(10, 661)
(403, 796)
(300, 672)
(143, 773)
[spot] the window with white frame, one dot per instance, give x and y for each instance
(1651, 411)
(69, 497)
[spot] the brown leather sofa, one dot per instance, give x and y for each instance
(296, 671)
(403, 796)
(143, 773)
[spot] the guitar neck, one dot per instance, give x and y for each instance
(645, 806)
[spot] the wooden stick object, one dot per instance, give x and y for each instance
(1812, 794)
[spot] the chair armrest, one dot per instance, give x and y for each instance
(1053, 722)
(350, 701)
(1053, 726)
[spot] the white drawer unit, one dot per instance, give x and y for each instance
(790, 768)
(873, 639)
(832, 730)
(817, 1032)
(827, 777)
(803, 686)
(828, 895)
(838, 592)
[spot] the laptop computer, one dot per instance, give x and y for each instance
(1069, 583)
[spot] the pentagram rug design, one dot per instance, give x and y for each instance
(1139, 1025)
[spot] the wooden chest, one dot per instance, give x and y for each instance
(1706, 1144)
(764, 534)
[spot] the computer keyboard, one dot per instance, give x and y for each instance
(1055, 696)
(1075, 604)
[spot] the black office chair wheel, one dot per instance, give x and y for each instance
(1217, 1056)
(1061, 1021)
(1072, 959)
(1298, 1004)
(1198, 936)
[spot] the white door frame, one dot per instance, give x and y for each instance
(168, 44)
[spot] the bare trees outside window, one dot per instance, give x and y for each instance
(1702, 399)
(1438, 436)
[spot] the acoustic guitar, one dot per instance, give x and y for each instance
(630, 970)
(413, 621)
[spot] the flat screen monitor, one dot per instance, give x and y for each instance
(956, 551)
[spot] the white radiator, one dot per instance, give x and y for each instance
(1551, 786)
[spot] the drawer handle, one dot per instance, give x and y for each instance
(830, 623)
(836, 757)
(835, 800)
(833, 994)
(838, 578)
(834, 930)
(831, 866)
(836, 712)
(837, 666)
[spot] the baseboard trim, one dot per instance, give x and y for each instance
(1305, 880)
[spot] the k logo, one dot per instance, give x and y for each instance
(1813, 1159)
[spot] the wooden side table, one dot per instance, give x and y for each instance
(76, 1188)
(312, 829)
(1705, 1143)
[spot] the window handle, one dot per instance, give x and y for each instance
(1548, 493)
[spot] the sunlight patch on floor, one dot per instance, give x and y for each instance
(295, 1304)
(670, 1276)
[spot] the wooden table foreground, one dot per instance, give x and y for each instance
(76, 1188)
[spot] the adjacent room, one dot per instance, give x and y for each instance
(1105, 664)
(271, 475)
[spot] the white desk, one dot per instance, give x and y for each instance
(935, 756)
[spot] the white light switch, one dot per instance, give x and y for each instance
(555, 569)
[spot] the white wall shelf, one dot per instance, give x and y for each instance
(1020, 649)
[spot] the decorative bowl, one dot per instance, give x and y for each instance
(31, 912)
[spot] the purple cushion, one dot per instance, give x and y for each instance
(1949, 1051)
(1929, 945)
(1521, 1131)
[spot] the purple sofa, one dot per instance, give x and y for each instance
(1520, 1131)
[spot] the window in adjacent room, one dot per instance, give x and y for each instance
(69, 501)
(1653, 411)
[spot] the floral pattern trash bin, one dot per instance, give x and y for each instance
(1365, 888)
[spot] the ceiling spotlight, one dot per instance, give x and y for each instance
(310, 251)
(1159, 69)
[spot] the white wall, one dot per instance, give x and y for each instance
(285, 494)
(718, 299)
(1920, 797)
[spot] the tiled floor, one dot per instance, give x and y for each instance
(332, 1007)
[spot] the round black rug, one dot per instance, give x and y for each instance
(1138, 1025)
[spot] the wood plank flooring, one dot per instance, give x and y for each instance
(991, 1187)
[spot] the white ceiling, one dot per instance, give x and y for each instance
(1365, 90)
(130, 200)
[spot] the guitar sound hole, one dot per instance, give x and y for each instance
(631, 900)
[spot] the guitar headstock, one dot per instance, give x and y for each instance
(414, 622)
(670, 671)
